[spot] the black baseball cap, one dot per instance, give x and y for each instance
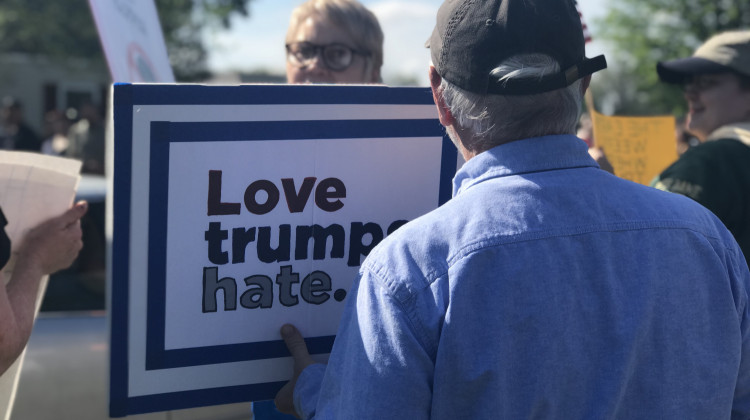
(472, 37)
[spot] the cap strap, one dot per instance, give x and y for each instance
(530, 86)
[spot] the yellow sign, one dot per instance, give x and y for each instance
(639, 148)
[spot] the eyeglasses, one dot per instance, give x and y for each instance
(336, 57)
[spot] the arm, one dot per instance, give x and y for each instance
(378, 367)
(597, 153)
(49, 247)
(738, 270)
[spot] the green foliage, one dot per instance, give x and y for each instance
(644, 32)
(181, 22)
(61, 28)
(64, 29)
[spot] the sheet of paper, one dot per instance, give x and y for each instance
(33, 188)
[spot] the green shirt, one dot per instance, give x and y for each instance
(717, 175)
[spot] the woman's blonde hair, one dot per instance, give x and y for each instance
(355, 19)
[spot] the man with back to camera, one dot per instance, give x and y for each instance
(333, 41)
(546, 288)
(716, 173)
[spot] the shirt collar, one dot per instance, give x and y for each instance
(739, 131)
(536, 154)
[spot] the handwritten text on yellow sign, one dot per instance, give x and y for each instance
(639, 148)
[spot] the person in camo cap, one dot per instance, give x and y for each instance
(716, 80)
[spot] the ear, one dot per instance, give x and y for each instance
(585, 84)
(444, 113)
(375, 76)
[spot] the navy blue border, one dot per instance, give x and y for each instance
(125, 98)
(164, 133)
(278, 95)
(202, 398)
(118, 305)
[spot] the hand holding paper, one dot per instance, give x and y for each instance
(50, 246)
(34, 190)
(53, 245)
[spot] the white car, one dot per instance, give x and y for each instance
(66, 371)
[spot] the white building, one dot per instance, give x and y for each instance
(43, 84)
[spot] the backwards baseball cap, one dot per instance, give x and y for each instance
(722, 53)
(472, 37)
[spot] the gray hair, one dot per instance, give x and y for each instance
(491, 120)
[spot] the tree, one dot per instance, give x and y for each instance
(182, 21)
(644, 32)
(64, 28)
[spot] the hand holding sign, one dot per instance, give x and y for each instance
(296, 344)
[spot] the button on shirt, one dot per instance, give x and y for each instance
(546, 289)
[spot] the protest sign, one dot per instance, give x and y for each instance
(639, 148)
(238, 209)
(132, 40)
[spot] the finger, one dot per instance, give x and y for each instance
(74, 229)
(294, 342)
(77, 246)
(74, 214)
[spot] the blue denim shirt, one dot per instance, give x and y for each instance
(546, 289)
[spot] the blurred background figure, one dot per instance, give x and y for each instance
(585, 129)
(333, 41)
(86, 139)
(56, 126)
(585, 132)
(16, 134)
(683, 139)
(716, 173)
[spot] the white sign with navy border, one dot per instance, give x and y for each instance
(240, 208)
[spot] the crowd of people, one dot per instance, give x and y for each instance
(76, 133)
(547, 287)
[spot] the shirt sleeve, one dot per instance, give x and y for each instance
(307, 389)
(378, 368)
(739, 271)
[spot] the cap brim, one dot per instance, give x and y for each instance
(678, 71)
(547, 83)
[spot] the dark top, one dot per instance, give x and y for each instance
(26, 139)
(717, 175)
(4, 241)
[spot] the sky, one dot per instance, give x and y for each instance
(257, 42)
